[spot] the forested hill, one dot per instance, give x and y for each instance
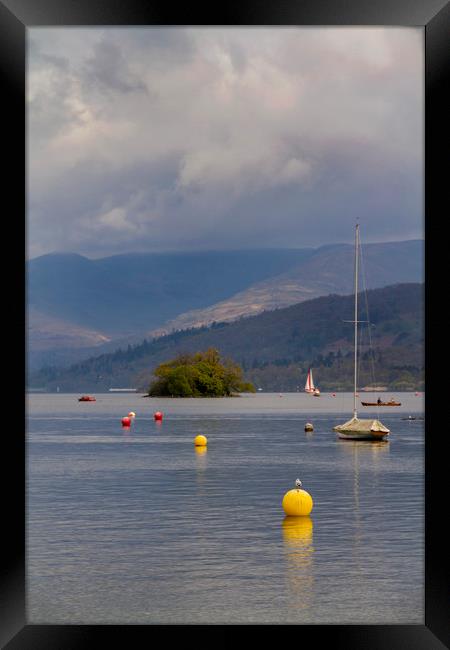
(276, 347)
(79, 307)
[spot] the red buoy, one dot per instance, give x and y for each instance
(158, 415)
(334, 394)
(126, 422)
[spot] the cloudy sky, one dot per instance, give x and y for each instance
(152, 139)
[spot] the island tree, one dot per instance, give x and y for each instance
(203, 374)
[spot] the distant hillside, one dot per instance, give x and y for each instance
(328, 270)
(119, 300)
(46, 332)
(125, 294)
(276, 347)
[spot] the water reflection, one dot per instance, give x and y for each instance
(200, 464)
(368, 445)
(298, 537)
(126, 433)
(374, 451)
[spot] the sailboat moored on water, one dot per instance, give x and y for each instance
(359, 428)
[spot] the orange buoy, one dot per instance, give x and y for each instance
(158, 415)
(126, 422)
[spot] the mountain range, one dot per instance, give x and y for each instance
(276, 347)
(77, 307)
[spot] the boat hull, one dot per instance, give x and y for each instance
(355, 435)
(381, 404)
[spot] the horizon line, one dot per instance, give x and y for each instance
(217, 250)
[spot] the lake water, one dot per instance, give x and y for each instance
(137, 526)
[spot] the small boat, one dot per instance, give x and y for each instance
(87, 398)
(359, 428)
(391, 402)
(309, 386)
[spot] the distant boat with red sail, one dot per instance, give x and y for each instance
(309, 386)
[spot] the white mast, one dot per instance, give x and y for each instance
(356, 316)
(359, 429)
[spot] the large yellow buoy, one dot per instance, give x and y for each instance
(200, 441)
(297, 502)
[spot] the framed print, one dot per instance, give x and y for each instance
(181, 170)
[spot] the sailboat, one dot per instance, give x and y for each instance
(359, 428)
(309, 386)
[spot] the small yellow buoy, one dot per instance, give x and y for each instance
(200, 441)
(297, 502)
(309, 427)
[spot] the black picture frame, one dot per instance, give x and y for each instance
(15, 17)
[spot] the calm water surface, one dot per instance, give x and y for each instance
(137, 526)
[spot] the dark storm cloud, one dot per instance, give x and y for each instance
(178, 138)
(108, 69)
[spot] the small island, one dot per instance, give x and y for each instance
(203, 374)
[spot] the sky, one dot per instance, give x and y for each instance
(214, 138)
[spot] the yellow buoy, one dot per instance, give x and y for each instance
(200, 441)
(297, 502)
